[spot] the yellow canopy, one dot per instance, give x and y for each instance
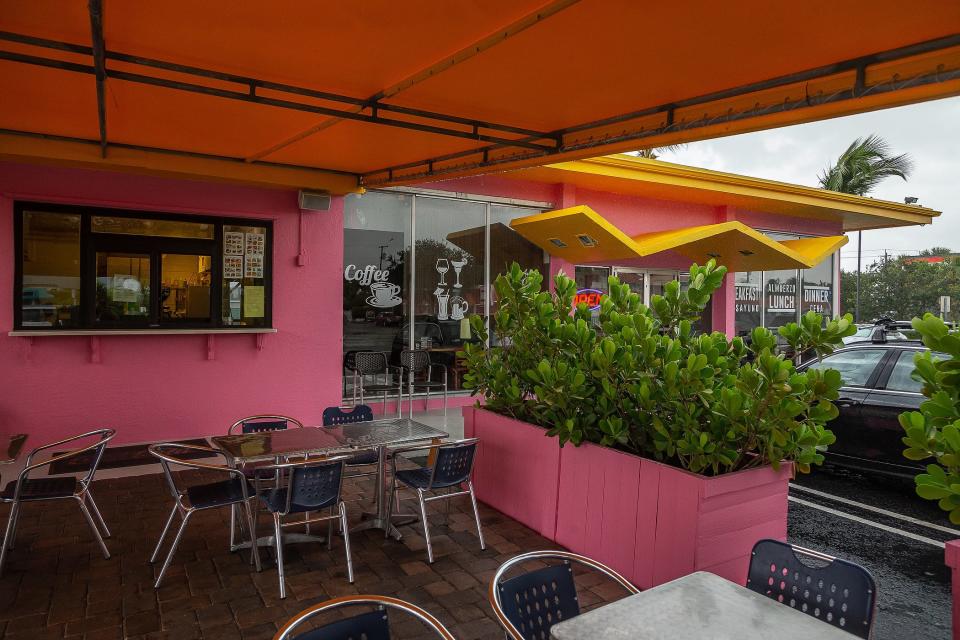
(580, 235)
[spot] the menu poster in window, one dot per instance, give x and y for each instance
(253, 302)
(253, 266)
(256, 243)
(233, 243)
(233, 267)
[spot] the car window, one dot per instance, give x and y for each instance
(855, 365)
(900, 379)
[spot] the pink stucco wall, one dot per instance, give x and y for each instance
(159, 387)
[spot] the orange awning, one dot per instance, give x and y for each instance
(581, 235)
(338, 94)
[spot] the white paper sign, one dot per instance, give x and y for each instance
(256, 243)
(253, 266)
(233, 243)
(233, 267)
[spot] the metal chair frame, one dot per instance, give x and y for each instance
(341, 515)
(361, 372)
(82, 494)
(421, 493)
(253, 471)
(813, 597)
(381, 602)
(510, 630)
(414, 367)
(183, 507)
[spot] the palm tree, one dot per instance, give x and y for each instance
(865, 163)
(655, 152)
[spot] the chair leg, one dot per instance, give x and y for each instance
(278, 543)
(346, 540)
(393, 492)
(444, 399)
(8, 535)
(16, 526)
(254, 517)
(93, 526)
(163, 534)
(233, 528)
(251, 525)
(173, 548)
(426, 402)
(384, 412)
(426, 527)
(96, 512)
(476, 515)
(330, 529)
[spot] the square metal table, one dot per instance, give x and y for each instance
(700, 605)
(273, 446)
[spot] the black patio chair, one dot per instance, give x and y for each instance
(374, 364)
(371, 625)
(257, 472)
(527, 605)
(234, 490)
(838, 592)
(335, 416)
(451, 468)
(26, 489)
(415, 362)
(311, 485)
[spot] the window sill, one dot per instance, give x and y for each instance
(96, 333)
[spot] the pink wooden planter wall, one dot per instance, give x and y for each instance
(952, 557)
(516, 469)
(649, 521)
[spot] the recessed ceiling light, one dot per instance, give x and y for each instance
(586, 240)
(557, 242)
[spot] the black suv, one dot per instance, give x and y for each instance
(877, 388)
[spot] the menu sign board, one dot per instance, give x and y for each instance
(817, 298)
(747, 298)
(781, 297)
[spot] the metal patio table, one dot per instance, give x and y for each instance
(700, 605)
(274, 446)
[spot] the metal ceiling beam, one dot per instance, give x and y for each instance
(95, 9)
(477, 128)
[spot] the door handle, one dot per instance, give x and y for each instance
(846, 402)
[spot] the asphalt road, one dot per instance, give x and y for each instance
(913, 584)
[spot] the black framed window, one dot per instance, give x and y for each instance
(94, 268)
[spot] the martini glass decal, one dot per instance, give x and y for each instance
(442, 267)
(457, 267)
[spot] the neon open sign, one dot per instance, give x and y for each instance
(590, 297)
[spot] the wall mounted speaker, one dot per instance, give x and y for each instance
(314, 200)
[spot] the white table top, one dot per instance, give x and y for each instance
(696, 607)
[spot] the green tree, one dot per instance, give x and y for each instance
(901, 288)
(866, 163)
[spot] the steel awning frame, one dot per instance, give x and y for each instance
(906, 74)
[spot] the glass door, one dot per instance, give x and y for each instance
(659, 280)
(636, 279)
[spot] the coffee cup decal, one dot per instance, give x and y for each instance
(458, 308)
(385, 295)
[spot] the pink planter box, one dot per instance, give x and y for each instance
(517, 468)
(654, 523)
(649, 521)
(952, 557)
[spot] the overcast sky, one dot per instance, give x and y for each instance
(929, 132)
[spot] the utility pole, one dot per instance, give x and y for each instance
(856, 313)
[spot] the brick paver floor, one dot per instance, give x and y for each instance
(57, 585)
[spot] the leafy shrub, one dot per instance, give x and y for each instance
(934, 431)
(642, 381)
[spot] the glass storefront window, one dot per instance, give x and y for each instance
(746, 301)
(818, 289)
(185, 287)
(244, 296)
(50, 266)
(151, 227)
(123, 288)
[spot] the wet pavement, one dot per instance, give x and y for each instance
(913, 583)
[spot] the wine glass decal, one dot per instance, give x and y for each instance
(457, 267)
(442, 267)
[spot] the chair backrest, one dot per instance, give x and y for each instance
(333, 416)
(313, 484)
(415, 360)
(454, 463)
(838, 592)
(528, 604)
(166, 452)
(370, 362)
(372, 625)
(94, 451)
(262, 423)
(350, 360)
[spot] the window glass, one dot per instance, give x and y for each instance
(123, 288)
(658, 282)
(507, 246)
(151, 227)
(818, 289)
(450, 278)
(185, 287)
(855, 366)
(746, 301)
(900, 377)
(51, 270)
(376, 274)
(591, 284)
(245, 294)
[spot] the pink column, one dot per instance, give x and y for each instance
(952, 557)
(723, 306)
